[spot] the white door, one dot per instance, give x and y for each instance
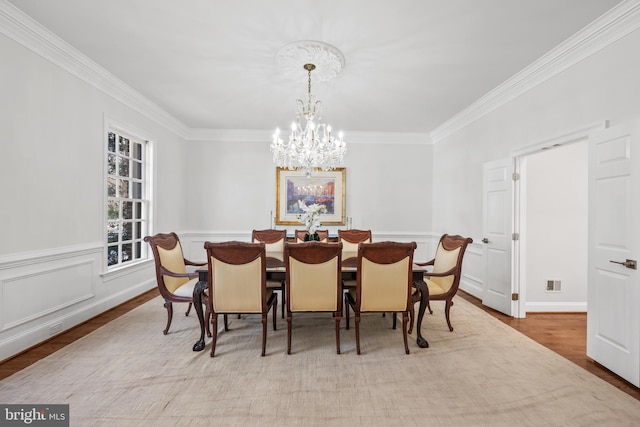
(613, 288)
(497, 226)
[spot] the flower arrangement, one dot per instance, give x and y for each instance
(311, 215)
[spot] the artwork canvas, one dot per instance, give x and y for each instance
(323, 188)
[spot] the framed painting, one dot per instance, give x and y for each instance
(323, 188)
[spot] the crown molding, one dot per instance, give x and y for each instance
(21, 28)
(618, 22)
(265, 136)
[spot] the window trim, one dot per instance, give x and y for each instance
(128, 131)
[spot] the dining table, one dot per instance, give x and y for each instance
(275, 269)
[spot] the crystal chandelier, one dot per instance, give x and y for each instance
(311, 146)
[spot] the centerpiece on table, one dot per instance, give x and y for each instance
(311, 219)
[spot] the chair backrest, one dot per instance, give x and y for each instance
(350, 240)
(449, 256)
(273, 240)
(237, 277)
(322, 234)
(168, 254)
(384, 276)
(314, 277)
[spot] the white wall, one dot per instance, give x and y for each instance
(232, 189)
(52, 206)
(604, 86)
(554, 236)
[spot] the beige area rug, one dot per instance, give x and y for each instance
(128, 373)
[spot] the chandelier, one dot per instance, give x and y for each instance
(311, 145)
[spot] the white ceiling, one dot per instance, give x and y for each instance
(410, 64)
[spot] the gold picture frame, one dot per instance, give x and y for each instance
(325, 188)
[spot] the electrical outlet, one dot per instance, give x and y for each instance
(554, 286)
(56, 328)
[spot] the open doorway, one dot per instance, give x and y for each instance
(554, 228)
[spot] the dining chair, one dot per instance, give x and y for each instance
(350, 239)
(274, 244)
(444, 279)
(238, 284)
(314, 275)
(322, 234)
(384, 278)
(174, 282)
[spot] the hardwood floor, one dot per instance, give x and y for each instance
(564, 333)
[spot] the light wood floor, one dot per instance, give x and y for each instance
(564, 333)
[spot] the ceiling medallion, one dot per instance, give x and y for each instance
(328, 60)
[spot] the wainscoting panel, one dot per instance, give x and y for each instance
(472, 280)
(44, 293)
(193, 242)
(35, 294)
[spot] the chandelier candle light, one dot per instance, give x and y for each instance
(312, 146)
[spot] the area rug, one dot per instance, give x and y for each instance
(128, 373)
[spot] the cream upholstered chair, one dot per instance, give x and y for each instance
(237, 284)
(313, 282)
(383, 283)
(174, 282)
(274, 245)
(444, 279)
(350, 240)
(322, 234)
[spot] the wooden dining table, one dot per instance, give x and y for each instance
(276, 272)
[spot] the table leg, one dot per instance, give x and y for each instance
(198, 290)
(424, 299)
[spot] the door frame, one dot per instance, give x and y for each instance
(518, 267)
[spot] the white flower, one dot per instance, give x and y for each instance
(311, 216)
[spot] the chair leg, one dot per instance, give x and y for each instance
(169, 307)
(188, 309)
(346, 310)
(214, 325)
(358, 333)
(284, 300)
(289, 320)
(226, 322)
(337, 317)
(207, 319)
(429, 307)
(393, 323)
(405, 319)
(275, 310)
(264, 333)
(447, 308)
(412, 313)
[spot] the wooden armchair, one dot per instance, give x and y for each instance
(314, 273)
(443, 281)
(274, 245)
(383, 284)
(174, 283)
(322, 234)
(238, 284)
(350, 240)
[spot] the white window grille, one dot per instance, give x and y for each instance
(127, 199)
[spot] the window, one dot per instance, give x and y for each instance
(127, 199)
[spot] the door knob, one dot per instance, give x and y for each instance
(630, 263)
(485, 240)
